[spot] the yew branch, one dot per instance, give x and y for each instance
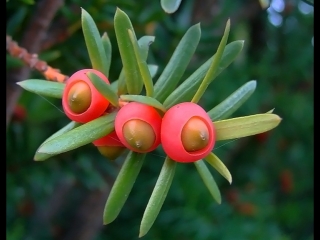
(32, 61)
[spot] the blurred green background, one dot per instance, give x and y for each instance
(271, 196)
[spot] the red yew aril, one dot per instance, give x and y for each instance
(110, 146)
(109, 140)
(187, 133)
(138, 127)
(81, 101)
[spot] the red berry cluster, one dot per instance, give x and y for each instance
(186, 132)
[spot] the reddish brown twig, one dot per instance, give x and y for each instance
(32, 38)
(34, 62)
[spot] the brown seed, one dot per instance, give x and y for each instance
(79, 97)
(111, 152)
(138, 134)
(195, 135)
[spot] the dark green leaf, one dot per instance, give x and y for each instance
(143, 99)
(144, 43)
(170, 6)
(188, 88)
(122, 87)
(94, 43)
(215, 162)
(177, 64)
(158, 196)
(208, 180)
(104, 88)
(245, 126)
(43, 156)
(114, 85)
(142, 64)
(152, 69)
(122, 186)
(43, 87)
(214, 66)
(108, 52)
(133, 78)
(80, 136)
(233, 102)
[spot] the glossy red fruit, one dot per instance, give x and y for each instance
(110, 140)
(110, 146)
(81, 101)
(187, 133)
(111, 152)
(138, 127)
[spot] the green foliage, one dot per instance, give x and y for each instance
(132, 73)
(245, 126)
(65, 140)
(80, 136)
(178, 63)
(43, 156)
(158, 195)
(214, 66)
(170, 6)
(143, 99)
(227, 107)
(208, 180)
(43, 88)
(215, 162)
(94, 43)
(142, 64)
(104, 88)
(108, 51)
(122, 186)
(257, 168)
(186, 90)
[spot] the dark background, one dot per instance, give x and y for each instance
(271, 196)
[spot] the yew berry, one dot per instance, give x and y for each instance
(111, 152)
(81, 101)
(111, 140)
(138, 127)
(110, 146)
(187, 132)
